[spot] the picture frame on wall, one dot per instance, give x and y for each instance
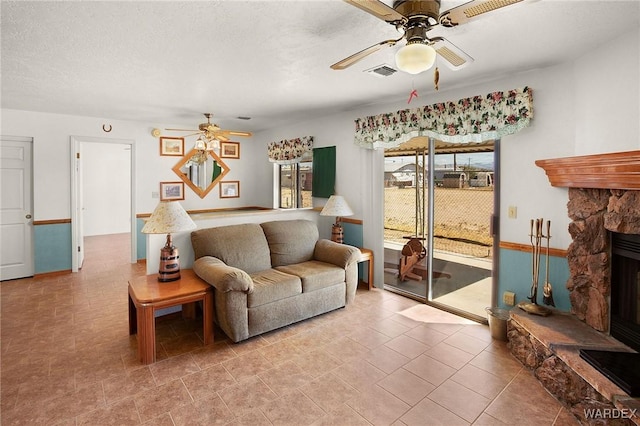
(230, 189)
(229, 150)
(171, 146)
(171, 191)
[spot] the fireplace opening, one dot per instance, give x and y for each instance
(622, 368)
(625, 289)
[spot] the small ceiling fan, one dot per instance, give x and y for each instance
(211, 131)
(414, 19)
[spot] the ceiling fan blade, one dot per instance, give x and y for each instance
(347, 62)
(182, 130)
(378, 9)
(222, 138)
(454, 57)
(192, 134)
(467, 11)
(234, 133)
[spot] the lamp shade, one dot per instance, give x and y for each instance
(336, 206)
(168, 217)
(415, 58)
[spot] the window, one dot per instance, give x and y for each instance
(295, 185)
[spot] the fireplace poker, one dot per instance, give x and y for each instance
(532, 293)
(547, 290)
(536, 235)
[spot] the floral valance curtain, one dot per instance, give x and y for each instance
(291, 151)
(475, 119)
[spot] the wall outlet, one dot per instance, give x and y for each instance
(512, 212)
(509, 298)
(155, 194)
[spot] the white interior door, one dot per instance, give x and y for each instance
(16, 214)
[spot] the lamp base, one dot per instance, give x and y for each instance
(169, 264)
(337, 233)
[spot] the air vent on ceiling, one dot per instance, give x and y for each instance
(240, 117)
(383, 70)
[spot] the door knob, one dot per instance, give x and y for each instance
(28, 216)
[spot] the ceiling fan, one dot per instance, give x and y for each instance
(414, 19)
(211, 131)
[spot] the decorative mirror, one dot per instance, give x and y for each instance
(201, 170)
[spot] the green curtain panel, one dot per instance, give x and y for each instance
(324, 172)
(217, 171)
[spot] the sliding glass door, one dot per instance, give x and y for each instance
(438, 234)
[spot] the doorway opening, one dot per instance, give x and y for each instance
(438, 233)
(102, 193)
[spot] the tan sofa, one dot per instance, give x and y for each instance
(266, 276)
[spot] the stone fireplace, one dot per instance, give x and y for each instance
(595, 214)
(604, 201)
(604, 197)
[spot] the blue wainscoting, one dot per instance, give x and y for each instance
(52, 247)
(515, 276)
(141, 240)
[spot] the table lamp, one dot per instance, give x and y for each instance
(168, 217)
(336, 206)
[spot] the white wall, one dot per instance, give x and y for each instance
(106, 188)
(51, 159)
(607, 86)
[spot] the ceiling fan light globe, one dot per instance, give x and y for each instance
(415, 58)
(200, 144)
(213, 145)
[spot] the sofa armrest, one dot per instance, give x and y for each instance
(341, 255)
(223, 277)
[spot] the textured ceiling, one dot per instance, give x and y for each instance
(168, 62)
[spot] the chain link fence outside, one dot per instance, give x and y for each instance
(461, 222)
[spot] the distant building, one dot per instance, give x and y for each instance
(405, 175)
(481, 179)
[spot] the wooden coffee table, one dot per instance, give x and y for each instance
(147, 294)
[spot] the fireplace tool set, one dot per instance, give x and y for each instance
(537, 236)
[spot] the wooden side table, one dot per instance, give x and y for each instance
(366, 255)
(147, 294)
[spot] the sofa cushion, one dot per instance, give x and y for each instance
(315, 275)
(271, 285)
(241, 246)
(290, 241)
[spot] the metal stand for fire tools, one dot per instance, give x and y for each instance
(537, 236)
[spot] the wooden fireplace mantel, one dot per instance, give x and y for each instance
(617, 170)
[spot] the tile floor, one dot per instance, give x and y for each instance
(67, 359)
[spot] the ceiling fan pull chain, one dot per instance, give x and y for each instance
(413, 94)
(436, 78)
